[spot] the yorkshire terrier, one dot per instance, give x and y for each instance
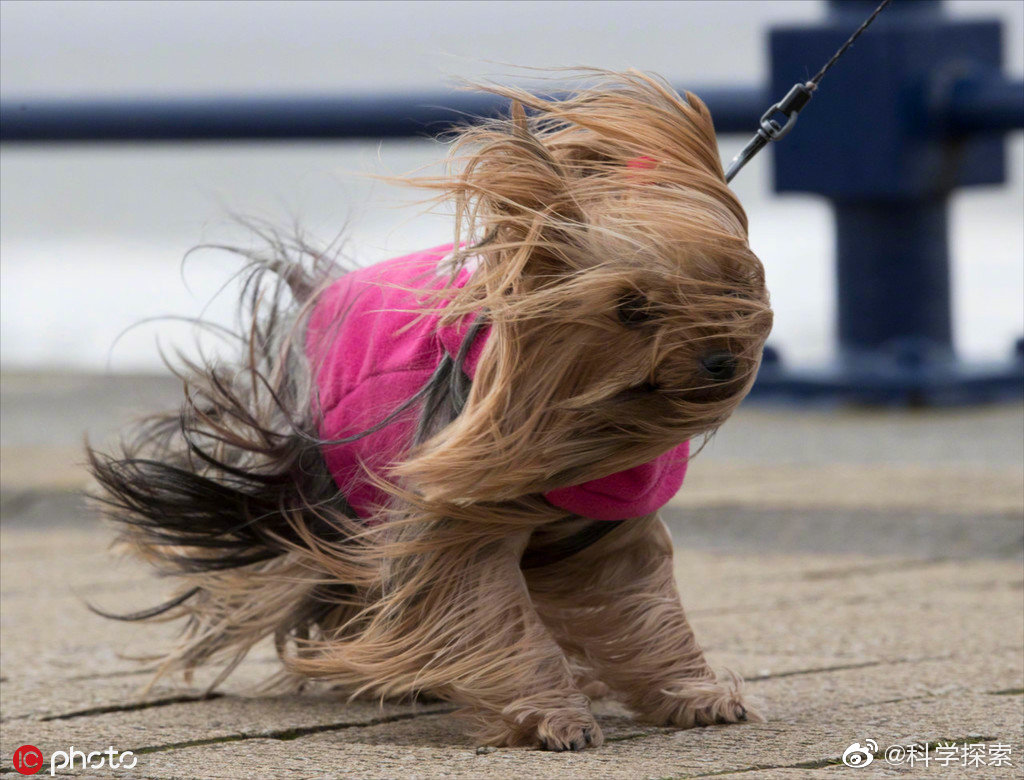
(440, 475)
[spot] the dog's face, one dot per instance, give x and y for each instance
(628, 312)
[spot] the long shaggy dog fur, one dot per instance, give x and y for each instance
(610, 260)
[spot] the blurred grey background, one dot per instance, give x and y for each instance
(92, 236)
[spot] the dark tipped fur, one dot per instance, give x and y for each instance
(212, 486)
(218, 476)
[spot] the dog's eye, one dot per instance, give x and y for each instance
(642, 391)
(634, 309)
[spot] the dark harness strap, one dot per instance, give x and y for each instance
(458, 391)
(556, 552)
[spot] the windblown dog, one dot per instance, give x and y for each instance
(441, 474)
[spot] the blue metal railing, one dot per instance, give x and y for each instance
(985, 104)
(916, 110)
(290, 118)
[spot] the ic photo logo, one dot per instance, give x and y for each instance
(28, 759)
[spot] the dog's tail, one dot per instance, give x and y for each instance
(234, 479)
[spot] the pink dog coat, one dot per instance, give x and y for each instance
(372, 351)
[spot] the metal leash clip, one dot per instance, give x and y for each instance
(798, 97)
(770, 129)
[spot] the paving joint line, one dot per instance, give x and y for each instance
(845, 667)
(818, 670)
(294, 732)
(165, 701)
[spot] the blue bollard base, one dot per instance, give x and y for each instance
(946, 383)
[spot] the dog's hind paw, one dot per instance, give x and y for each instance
(569, 729)
(732, 710)
(703, 703)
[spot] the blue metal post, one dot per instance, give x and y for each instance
(889, 135)
(893, 278)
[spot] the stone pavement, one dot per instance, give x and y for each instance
(862, 569)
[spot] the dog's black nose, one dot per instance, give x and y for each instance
(720, 366)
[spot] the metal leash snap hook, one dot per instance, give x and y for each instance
(790, 106)
(771, 130)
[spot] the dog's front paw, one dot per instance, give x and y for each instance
(569, 729)
(692, 703)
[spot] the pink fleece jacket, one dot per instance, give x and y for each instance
(370, 354)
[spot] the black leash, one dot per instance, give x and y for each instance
(798, 97)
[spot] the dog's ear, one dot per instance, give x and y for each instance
(565, 185)
(516, 186)
(518, 213)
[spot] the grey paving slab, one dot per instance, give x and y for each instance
(861, 568)
(836, 649)
(431, 746)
